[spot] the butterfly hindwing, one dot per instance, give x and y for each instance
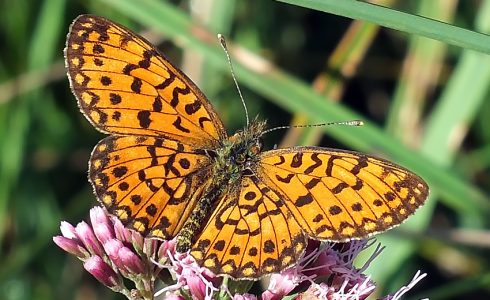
(151, 184)
(251, 233)
(340, 195)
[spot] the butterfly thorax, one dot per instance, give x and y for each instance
(233, 160)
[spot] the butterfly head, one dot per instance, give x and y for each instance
(240, 151)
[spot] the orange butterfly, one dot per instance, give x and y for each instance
(169, 169)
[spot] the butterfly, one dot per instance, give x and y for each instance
(169, 170)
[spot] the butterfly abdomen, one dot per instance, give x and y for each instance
(221, 179)
(194, 225)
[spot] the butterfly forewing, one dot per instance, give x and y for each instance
(124, 85)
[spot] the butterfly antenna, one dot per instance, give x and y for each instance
(222, 41)
(348, 123)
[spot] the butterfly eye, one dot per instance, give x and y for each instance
(248, 171)
(241, 158)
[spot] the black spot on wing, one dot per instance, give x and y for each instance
(136, 85)
(304, 200)
(362, 163)
(105, 80)
(316, 164)
(330, 162)
(115, 98)
(98, 49)
(157, 104)
(144, 118)
(178, 125)
(297, 160)
(193, 107)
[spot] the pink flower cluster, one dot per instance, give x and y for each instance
(110, 252)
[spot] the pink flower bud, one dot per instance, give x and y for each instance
(112, 248)
(102, 271)
(72, 246)
(103, 228)
(166, 249)
(122, 233)
(88, 238)
(281, 284)
(68, 231)
(197, 288)
(138, 241)
(132, 263)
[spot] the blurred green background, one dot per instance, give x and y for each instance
(423, 102)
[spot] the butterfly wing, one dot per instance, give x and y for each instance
(251, 233)
(150, 184)
(124, 85)
(339, 195)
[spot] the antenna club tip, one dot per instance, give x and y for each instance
(348, 123)
(222, 40)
